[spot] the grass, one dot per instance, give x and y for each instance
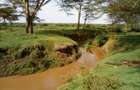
(12, 39)
(106, 76)
(119, 71)
(22, 53)
(116, 72)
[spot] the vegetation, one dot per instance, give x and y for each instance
(86, 8)
(118, 71)
(8, 13)
(55, 45)
(24, 54)
(31, 8)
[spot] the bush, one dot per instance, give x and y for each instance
(92, 82)
(100, 40)
(21, 53)
(27, 66)
(37, 53)
(100, 83)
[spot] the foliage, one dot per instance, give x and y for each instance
(118, 71)
(88, 8)
(30, 9)
(26, 54)
(8, 12)
(26, 66)
(127, 42)
(93, 82)
(110, 74)
(123, 11)
(101, 40)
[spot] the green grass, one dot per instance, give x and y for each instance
(106, 76)
(126, 42)
(119, 71)
(17, 38)
(25, 53)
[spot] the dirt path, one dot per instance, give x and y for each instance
(50, 79)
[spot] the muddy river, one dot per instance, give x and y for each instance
(50, 79)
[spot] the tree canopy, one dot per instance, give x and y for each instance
(30, 9)
(86, 8)
(8, 12)
(124, 10)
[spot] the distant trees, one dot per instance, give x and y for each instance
(30, 10)
(68, 5)
(124, 11)
(88, 7)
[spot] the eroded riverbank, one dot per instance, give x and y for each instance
(50, 79)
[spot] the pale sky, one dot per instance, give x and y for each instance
(51, 14)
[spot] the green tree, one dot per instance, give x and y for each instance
(30, 9)
(7, 12)
(126, 11)
(88, 7)
(91, 11)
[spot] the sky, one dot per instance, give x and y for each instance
(51, 13)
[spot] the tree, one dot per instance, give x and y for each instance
(68, 5)
(31, 8)
(88, 8)
(91, 11)
(8, 12)
(126, 11)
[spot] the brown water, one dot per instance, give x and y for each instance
(50, 79)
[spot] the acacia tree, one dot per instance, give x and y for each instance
(30, 9)
(7, 12)
(127, 11)
(91, 11)
(68, 5)
(124, 10)
(87, 8)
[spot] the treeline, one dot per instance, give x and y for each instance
(119, 11)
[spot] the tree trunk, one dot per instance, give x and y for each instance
(29, 27)
(79, 17)
(85, 20)
(27, 15)
(29, 18)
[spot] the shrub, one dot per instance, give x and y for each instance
(27, 66)
(100, 83)
(100, 40)
(48, 62)
(93, 82)
(21, 53)
(37, 53)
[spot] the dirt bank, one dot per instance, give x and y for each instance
(50, 79)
